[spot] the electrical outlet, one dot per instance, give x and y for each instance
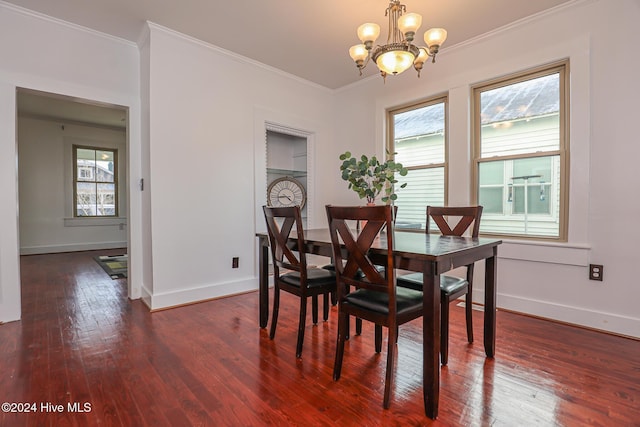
(235, 262)
(595, 272)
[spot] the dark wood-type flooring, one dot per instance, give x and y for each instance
(82, 341)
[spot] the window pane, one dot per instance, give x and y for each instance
(537, 201)
(419, 135)
(506, 212)
(86, 164)
(521, 118)
(106, 199)
(531, 179)
(491, 198)
(86, 154)
(424, 187)
(104, 166)
(521, 146)
(492, 173)
(85, 199)
(95, 193)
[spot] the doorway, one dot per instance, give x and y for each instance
(54, 132)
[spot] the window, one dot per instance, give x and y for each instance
(521, 153)
(95, 190)
(418, 139)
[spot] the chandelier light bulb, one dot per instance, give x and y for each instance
(409, 24)
(368, 32)
(435, 37)
(358, 52)
(395, 61)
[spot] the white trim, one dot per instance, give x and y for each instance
(179, 297)
(235, 56)
(607, 322)
(51, 19)
(553, 253)
(287, 130)
(72, 247)
(95, 221)
(310, 137)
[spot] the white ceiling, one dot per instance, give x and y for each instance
(309, 39)
(47, 106)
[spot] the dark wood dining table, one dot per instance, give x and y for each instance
(430, 254)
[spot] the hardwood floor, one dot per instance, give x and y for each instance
(81, 341)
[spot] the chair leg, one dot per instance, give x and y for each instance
(325, 307)
(276, 308)
(347, 330)
(378, 335)
(334, 298)
(314, 309)
(444, 332)
(301, 326)
(469, 315)
(391, 355)
(343, 325)
(358, 326)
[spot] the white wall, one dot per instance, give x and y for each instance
(600, 38)
(45, 166)
(208, 110)
(43, 54)
(197, 119)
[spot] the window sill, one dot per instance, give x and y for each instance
(548, 252)
(93, 222)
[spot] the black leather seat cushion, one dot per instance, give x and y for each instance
(315, 277)
(332, 267)
(406, 300)
(448, 284)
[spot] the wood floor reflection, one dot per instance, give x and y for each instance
(81, 341)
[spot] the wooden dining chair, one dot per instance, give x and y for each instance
(364, 290)
(452, 221)
(290, 271)
(379, 267)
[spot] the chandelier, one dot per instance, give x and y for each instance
(399, 53)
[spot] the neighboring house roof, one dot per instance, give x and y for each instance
(530, 98)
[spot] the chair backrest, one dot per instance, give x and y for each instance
(281, 221)
(445, 218)
(354, 267)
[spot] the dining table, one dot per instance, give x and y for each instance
(430, 254)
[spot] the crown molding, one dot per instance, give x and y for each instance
(235, 56)
(76, 27)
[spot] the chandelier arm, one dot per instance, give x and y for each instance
(399, 53)
(365, 62)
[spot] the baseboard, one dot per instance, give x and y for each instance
(164, 300)
(72, 247)
(578, 316)
(145, 296)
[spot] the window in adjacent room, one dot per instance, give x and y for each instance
(418, 139)
(95, 189)
(521, 148)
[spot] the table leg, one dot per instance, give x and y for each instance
(263, 281)
(431, 342)
(490, 305)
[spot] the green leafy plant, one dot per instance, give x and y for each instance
(369, 178)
